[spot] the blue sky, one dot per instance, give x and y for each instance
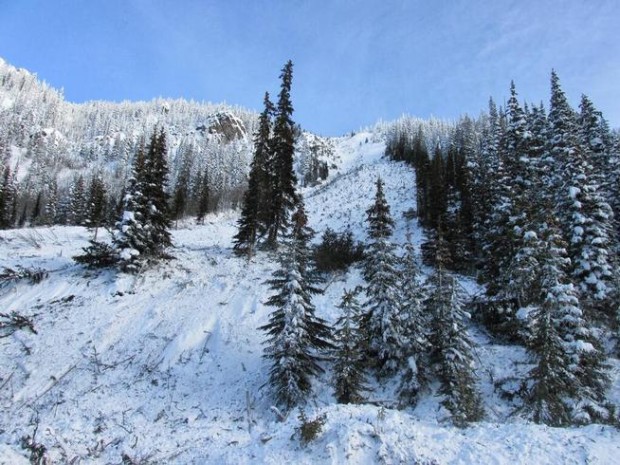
(355, 61)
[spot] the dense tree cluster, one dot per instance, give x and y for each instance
(404, 328)
(527, 202)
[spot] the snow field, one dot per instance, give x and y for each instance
(166, 367)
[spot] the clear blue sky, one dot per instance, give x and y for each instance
(355, 61)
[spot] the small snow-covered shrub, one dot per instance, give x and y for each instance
(337, 251)
(308, 429)
(97, 255)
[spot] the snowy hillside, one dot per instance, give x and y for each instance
(166, 367)
(47, 144)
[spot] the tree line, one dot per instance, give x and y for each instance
(527, 202)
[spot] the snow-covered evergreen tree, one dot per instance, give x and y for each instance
(562, 141)
(8, 199)
(585, 216)
(515, 225)
(204, 196)
(415, 322)
(481, 166)
(130, 237)
(550, 381)
(283, 194)
(296, 337)
(78, 202)
(350, 351)
(593, 242)
(507, 214)
(97, 204)
(382, 322)
(452, 348)
(613, 185)
(569, 381)
(255, 212)
(142, 234)
(157, 217)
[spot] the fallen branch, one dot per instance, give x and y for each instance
(54, 382)
(6, 381)
(9, 323)
(279, 415)
(34, 275)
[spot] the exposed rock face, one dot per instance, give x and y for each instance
(225, 126)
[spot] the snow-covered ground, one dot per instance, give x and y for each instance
(166, 367)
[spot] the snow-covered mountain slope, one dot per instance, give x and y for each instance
(47, 141)
(166, 367)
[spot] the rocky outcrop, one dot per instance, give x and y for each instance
(225, 126)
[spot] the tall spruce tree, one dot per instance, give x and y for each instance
(350, 352)
(97, 204)
(569, 381)
(562, 129)
(595, 137)
(204, 196)
(181, 194)
(509, 221)
(142, 234)
(77, 202)
(452, 348)
(502, 237)
(130, 238)
(479, 166)
(532, 208)
(296, 337)
(594, 241)
(254, 220)
(584, 214)
(416, 323)
(283, 194)
(382, 322)
(550, 383)
(613, 185)
(8, 199)
(157, 213)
